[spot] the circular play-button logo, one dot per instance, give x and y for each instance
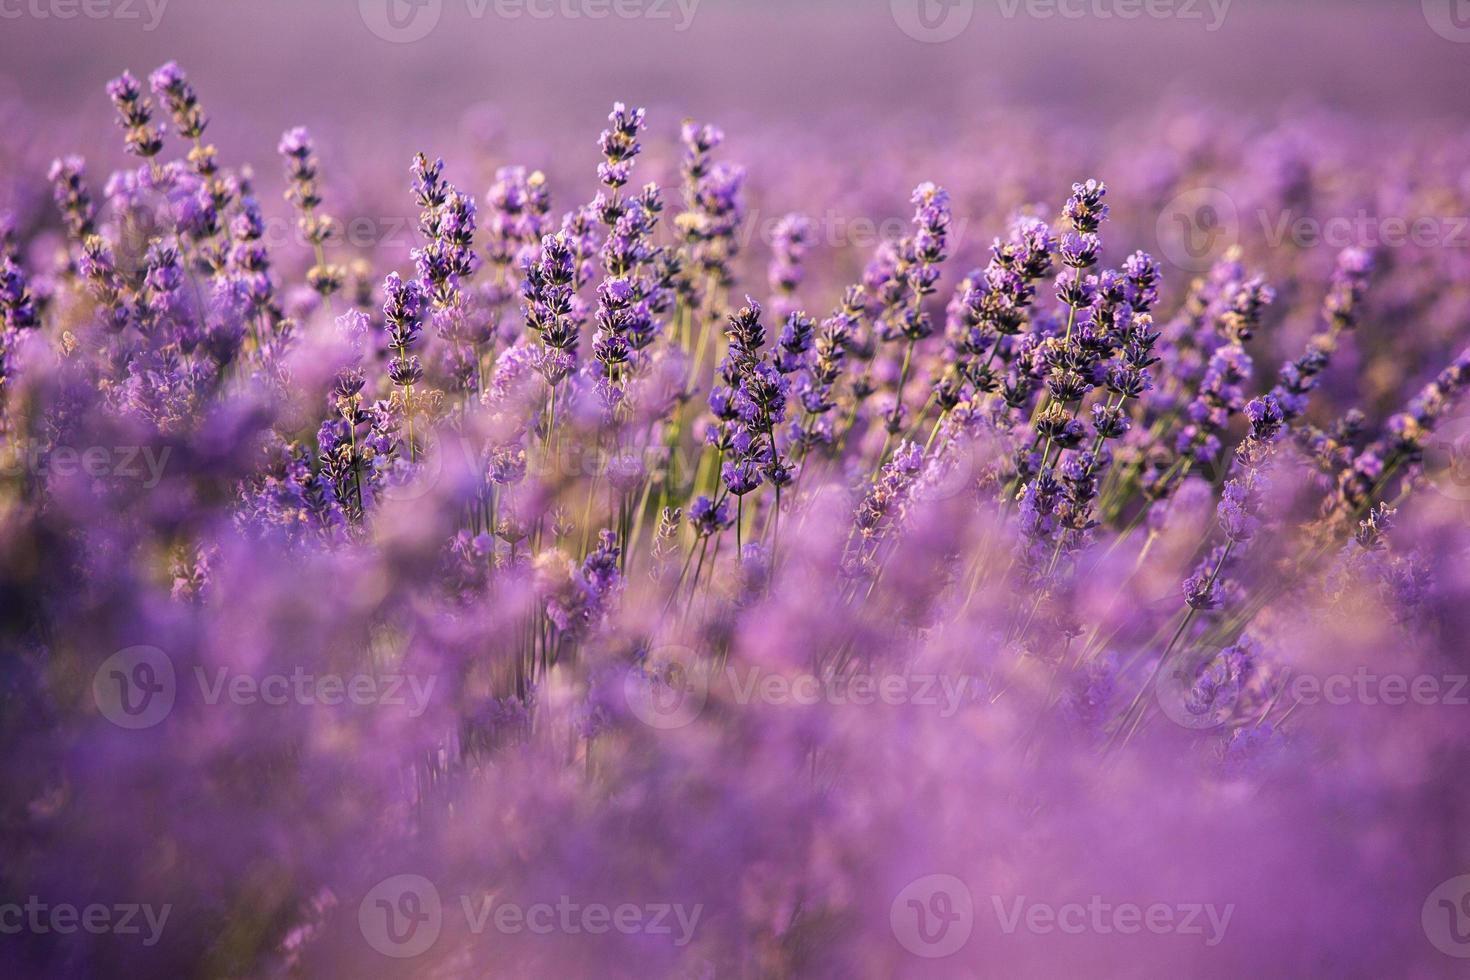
(1196, 227)
(401, 21)
(401, 916)
(933, 917)
(933, 21)
(135, 688)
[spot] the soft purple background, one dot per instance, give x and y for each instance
(273, 63)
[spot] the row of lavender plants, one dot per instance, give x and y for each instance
(571, 561)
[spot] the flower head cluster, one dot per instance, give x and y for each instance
(713, 209)
(748, 407)
(173, 89)
(135, 115)
(297, 150)
(620, 146)
(550, 292)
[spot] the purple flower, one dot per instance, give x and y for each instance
(741, 476)
(172, 87)
(708, 518)
(619, 145)
(135, 115)
(1085, 208)
(1266, 418)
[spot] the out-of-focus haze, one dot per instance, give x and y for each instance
(553, 66)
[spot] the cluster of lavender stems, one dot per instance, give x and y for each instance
(577, 436)
(1060, 386)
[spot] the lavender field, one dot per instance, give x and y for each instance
(711, 489)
